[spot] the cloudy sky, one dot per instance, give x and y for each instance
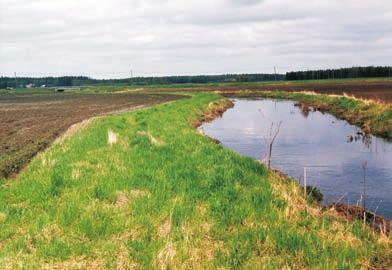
(107, 39)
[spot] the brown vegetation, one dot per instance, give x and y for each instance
(379, 90)
(214, 110)
(353, 212)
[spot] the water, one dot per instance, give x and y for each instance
(330, 149)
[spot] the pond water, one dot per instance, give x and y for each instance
(330, 149)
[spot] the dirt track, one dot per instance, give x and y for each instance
(29, 123)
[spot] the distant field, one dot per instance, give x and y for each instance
(378, 89)
(369, 88)
(30, 122)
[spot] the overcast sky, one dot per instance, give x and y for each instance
(107, 39)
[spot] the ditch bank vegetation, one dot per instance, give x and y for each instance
(162, 196)
(371, 116)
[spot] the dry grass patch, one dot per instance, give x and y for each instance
(51, 231)
(133, 234)
(153, 140)
(165, 258)
(202, 208)
(3, 217)
(124, 260)
(48, 161)
(165, 229)
(204, 252)
(121, 199)
(75, 173)
(112, 137)
(76, 263)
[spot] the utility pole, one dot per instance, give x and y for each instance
(275, 72)
(16, 82)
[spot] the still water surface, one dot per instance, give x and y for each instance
(330, 149)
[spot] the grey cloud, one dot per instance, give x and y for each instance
(108, 38)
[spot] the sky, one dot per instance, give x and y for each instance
(109, 39)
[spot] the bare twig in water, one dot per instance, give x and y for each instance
(341, 198)
(359, 202)
(271, 142)
(375, 214)
(364, 167)
(305, 180)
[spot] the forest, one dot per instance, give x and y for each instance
(20, 82)
(341, 73)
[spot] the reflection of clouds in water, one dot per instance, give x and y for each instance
(318, 142)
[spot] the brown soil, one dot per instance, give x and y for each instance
(31, 122)
(369, 89)
(378, 91)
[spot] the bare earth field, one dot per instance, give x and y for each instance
(380, 90)
(372, 90)
(30, 122)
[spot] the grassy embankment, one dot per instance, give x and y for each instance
(145, 190)
(372, 117)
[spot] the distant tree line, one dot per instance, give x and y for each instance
(205, 79)
(341, 73)
(45, 81)
(82, 80)
(352, 72)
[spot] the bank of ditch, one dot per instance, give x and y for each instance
(371, 116)
(160, 195)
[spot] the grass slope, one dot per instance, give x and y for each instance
(372, 117)
(163, 196)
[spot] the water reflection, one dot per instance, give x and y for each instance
(330, 149)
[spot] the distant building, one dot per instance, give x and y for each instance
(230, 80)
(30, 85)
(64, 88)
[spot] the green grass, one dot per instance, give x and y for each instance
(372, 117)
(165, 197)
